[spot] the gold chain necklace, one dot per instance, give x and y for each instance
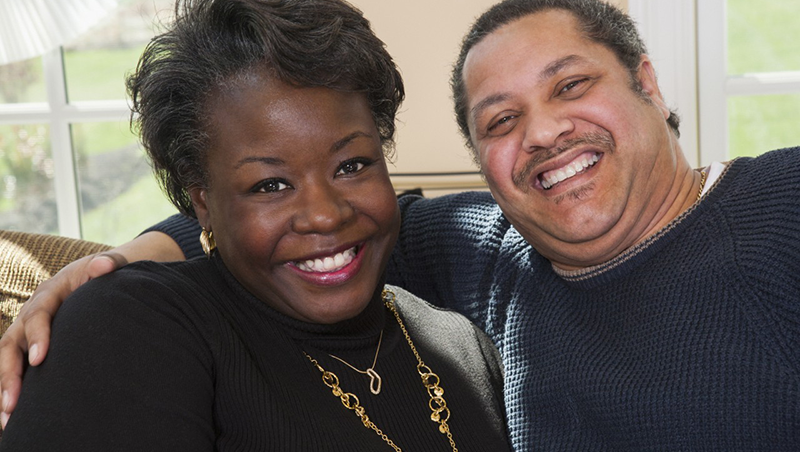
(375, 380)
(702, 184)
(440, 413)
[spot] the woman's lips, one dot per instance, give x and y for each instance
(330, 270)
(328, 264)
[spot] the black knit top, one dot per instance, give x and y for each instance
(180, 357)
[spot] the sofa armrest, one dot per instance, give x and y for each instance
(27, 259)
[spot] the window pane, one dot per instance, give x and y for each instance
(27, 192)
(22, 81)
(119, 194)
(761, 123)
(97, 62)
(760, 36)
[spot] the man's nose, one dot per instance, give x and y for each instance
(544, 127)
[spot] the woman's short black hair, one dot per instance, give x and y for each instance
(313, 43)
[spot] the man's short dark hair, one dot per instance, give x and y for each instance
(308, 43)
(599, 21)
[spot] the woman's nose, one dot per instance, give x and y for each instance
(321, 210)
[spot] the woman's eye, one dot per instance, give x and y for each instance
(271, 186)
(351, 167)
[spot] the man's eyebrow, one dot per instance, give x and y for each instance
(556, 66)
(549, 71)
(486, 103)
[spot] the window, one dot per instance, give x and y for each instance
(749, 77)
(69, 164)
(730, 69)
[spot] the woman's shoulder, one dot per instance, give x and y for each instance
(458, 344)
(160, 293)
(445, 325)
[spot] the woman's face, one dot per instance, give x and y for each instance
(299, 197)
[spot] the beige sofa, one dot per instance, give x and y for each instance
(27, 259)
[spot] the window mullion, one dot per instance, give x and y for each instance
(761, 83)
(65, 181)
(712, 76)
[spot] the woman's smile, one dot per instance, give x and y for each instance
(332, 269)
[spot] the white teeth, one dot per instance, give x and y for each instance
(329, 263)
(571, 169)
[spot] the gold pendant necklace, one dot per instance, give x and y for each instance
(375, 380)
(702, 184)
(440, 413)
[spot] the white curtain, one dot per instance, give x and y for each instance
(29, 28)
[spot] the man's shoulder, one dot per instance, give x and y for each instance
(468, 210)
(784, 162)
(467, 199)
(753, 181)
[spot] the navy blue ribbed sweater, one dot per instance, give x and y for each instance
(688, 341)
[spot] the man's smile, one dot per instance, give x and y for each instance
(550, 178)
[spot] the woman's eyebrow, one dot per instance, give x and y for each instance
(261, 160)
(337, 146)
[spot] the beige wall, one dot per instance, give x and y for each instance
(423, 36)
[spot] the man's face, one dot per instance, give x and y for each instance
(580, 163)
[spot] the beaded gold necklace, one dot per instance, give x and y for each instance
(440, 413)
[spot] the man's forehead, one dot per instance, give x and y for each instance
(534, 27)
(543, 42)
(547, 34)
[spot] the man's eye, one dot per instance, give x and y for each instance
(271, 186)
(571, 86)
(501, 125)
(351, 167)
(502, 121)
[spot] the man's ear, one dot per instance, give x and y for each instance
(649, 84)
(200, 204)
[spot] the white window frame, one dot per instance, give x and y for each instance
(668, 28)
(716, 86)
(687, 41)
(60, 114)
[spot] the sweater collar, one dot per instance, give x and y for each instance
(591, 277)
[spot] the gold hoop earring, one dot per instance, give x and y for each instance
(207, 242)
